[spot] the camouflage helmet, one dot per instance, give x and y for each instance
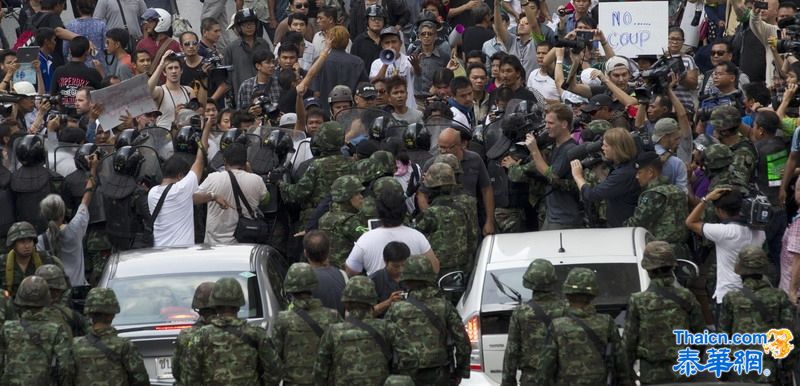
(329, 138)
(658, 254)
(599, 126)
(202, 296)
(226, 292)
(418, 267)
(752, 260)
(439, 174)
(540, 276)
(384, 162)
(53, 275)
(580, 281)
(19, 231)
(360, 289)
(102, 301)
(717, 156)
(451, 160)
(33, 292)
(300, 278)
(388, 188)
(345, 187)
(725, 118)
(399, 380)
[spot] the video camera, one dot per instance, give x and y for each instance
(792, 42)
(526, 118)
(269, 108)
(582, 40)
(657, 77)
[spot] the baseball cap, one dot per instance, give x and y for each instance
(597, 102)
(366, 91)
(663, 127)
(586, 77)
(614, 62)
(149, 14)
(24, 88)
(288, 120)
(389, 31)
(310, 101)
(646, 158)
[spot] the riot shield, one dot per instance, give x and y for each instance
(61, 157)
(361, 123)
(434, 127)
(157, 138)
(495, 141)
(150, 171)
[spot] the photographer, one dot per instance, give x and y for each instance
(563, 209)
(264, 81)
(568, 18)
(687, 83)
(729, 236)
(615, 83)
(620, 188)
(194, 70)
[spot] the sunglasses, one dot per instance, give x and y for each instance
(718, 53)
(190, 43)
(301, 5)
(426, 34)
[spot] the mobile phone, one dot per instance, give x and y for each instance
(374, 223)
(27, 54)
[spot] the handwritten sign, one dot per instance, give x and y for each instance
(635, 28)
(130, 95)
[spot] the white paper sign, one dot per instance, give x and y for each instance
(131, 95)
(635, 28)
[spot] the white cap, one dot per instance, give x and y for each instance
(99, 127)
(288, 120)
(586, 77)
(25, 88)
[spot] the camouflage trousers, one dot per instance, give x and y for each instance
(432, 376)
(97, 249)
(509, 220)
(659, 372)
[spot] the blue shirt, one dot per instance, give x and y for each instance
(46, 64)
(674, 170)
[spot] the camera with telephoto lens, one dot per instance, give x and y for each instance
(582, 40)
(566, 11)
(791, 41)
(269, 108)
(656, 79)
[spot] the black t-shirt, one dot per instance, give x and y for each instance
(384, 285)
(194, 77)
(366, 49)
(474, 37)
(70, 77)
(51, 20)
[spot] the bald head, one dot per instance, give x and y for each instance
(450, 143)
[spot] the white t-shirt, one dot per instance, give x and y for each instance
(402, 68)
(729, 239)
(174, 226)
(367, 252)
(540, 81)
(221, 223)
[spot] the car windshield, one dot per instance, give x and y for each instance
(167, 299)
(617, 281)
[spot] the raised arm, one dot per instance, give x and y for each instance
(502, 33)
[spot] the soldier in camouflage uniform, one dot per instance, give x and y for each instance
(58, 312)
(102, 357)
(594, 175)
(726, 121)
(297, 331)
(432, 324)
(16, 264)
(573, 358)
(228, 350)
(443, 224)
(327, 166)
(466, 203)
(370, 209)
(35, 351)
(350, 352)
(530, 324)
(202, 306)
(662, 207)
(342, 222)
(757, 307)
(654, 314)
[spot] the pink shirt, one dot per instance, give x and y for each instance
(791, 247)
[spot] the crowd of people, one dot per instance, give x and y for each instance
(386, 139)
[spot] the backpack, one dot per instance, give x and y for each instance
(27, 37)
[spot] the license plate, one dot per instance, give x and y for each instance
(163, 367)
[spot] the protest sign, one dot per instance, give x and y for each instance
(635, 28)
(131, 95)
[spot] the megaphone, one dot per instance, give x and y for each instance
(454, 39)
(388, 56)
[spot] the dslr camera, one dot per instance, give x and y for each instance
(582, 40)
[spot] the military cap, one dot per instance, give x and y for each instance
(646, 158)
(717, 156)
(399, 380)
(360, 289)
(599, 126)
(418, 267)
(580, 281)
(53, 275)
(664, 126)
(102, 301)
(540, 276)
(202, 295)
(451, 160)
(19, 231)
(345, 187)
(33, 292)
(300, 278)
(439, 174)
(725, 118)
(226, 292)
(752, 260)
(658, 254)
(330, 137)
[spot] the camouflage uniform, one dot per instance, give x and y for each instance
(342, 222)
(316, 182)
(662, 210)
(73, 322)
(378, 169)
(35, 351)
(370, 210)
(529, 326)
(744, 156)
(433, 341)
(740, 314)
(349, 355)
(200, 301)
(652, 317)
(12, 274)
(572, 359)
(102, 357)
(229, 351)
(466, 203)
(443, 224)
(294, 339)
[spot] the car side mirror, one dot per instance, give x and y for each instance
(685, 271)
(452, 282)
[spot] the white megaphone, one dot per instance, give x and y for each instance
(388, 56)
